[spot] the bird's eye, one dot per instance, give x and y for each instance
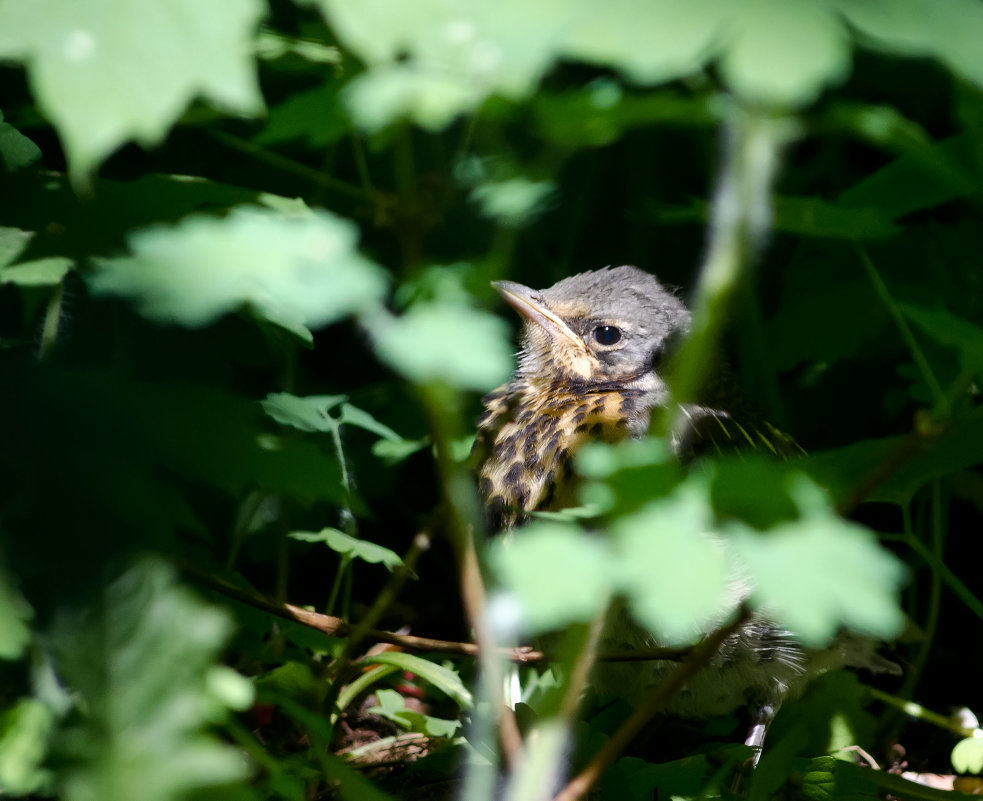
(607, 335)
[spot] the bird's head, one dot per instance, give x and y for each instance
(606, 327)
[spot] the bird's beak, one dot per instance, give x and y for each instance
(526, 301)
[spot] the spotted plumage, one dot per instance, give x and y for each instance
(593, 346)
(588, 371)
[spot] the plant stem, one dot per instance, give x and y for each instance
(740, 219)
(52, 319)
(942, 407)
(919, 712)
(295, 167)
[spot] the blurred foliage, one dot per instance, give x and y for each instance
(245, 318)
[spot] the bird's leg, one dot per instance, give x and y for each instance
(761, 718)
(762, 714)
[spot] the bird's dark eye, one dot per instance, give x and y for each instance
(607, 335)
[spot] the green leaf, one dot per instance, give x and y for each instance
(810, 216)
(103, 81)
(314, 116)
(921, 179)
(949, 31)
(16, 150)
(842, 470)
(631, 777)
(559, 574)
(821, 572)
(673, 571)
(389, 92)
(444, 679)
(967, 756)
(353, 416)
(951, 330)
(272, 44)
(13, 241)
(352, 547)
(296, 271)
(514, 202)
(306, 414)
(139, 657)
(785, 53)
(25, 732)
(753, 489)
(43, 272)
(649, 42)
(392, 706)
(14, 614)
(434, 59)
(443, 342)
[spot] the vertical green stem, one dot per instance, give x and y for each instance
(740, 219)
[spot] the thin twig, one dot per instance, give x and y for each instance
(651, 705)
(336, 627)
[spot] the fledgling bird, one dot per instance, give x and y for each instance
(593, 348)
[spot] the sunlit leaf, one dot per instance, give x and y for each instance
(431, 99)
(12, 244)
(102, 84)
(821, 572)
(25, 733)
(514, 202)
(139, 658)
(785, 53)
(307, 414)
(444, 679)
(461, 346)
(967, 756)
(297, 271)
(559, 574)
(672, 569)
(43, 272)
(14, 614)
(949, 31)
(352, 547)
(392, 706)
(650, 42)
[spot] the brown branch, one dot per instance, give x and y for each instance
(336, 627)
(652, 704)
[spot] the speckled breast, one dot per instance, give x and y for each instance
(527, 438)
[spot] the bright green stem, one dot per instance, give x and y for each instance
(739, 222)
(914, 710)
